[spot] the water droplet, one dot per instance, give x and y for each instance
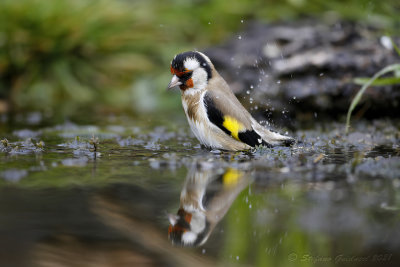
(386, 42)
(240, 37)
(237, 258)
(209, 23)
(321, 74)
(278, 82)
(248, 92)
(241, 21)
(294, 98)
(251, 86)
(256, 107)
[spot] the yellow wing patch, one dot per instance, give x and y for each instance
(233, 125)
(231, 177)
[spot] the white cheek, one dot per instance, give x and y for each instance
(199, 78)
(189, 238)
(198, 222)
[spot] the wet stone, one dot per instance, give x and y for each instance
(13, 175)
(286, 60)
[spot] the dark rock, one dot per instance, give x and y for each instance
(305, 70)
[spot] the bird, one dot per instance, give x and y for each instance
(205, 199)
(215, 115)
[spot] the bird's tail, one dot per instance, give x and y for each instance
(272, 138)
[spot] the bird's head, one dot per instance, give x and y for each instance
(188, 228)
(190, 70)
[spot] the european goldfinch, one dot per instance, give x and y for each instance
(205, 199)
(215, 115)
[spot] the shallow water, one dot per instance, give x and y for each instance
(330, 200)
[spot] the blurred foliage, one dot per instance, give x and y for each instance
(80, 55)
(376, 80)
(74, 51)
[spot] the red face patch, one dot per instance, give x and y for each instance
(176, 229)
(189, 83)
(188, 217)
(177, 72)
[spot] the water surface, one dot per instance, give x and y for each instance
(99, 195)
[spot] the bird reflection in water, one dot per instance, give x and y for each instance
(205, 199)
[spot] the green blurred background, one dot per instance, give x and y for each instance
(67, 57)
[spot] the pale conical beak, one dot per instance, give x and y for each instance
(174, 82)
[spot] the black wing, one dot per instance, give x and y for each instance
(249, 137)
